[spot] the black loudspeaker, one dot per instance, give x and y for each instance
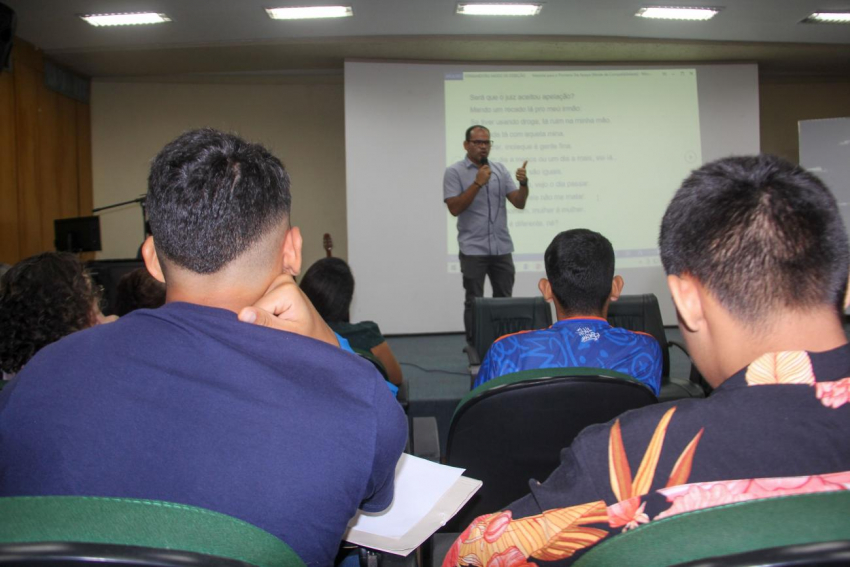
(7, 32)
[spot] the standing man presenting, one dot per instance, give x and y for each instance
(474, 190)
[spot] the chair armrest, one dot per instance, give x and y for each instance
(425, 438)
(472, 355)
(680, 346)
(695, 377)
(403, 395)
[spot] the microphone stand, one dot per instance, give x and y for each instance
(140, 200)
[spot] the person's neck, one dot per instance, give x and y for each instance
(234, 301)
(561, 314)
(814, 330)
(225, 290)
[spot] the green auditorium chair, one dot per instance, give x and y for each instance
(512, 429)
(76, 530)
(808, 529)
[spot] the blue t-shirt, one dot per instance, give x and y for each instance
(187, 404)
(580, 341)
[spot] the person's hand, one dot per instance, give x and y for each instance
(285, 307)
(521, 175)
(483, 175)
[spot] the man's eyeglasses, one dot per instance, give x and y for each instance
(482, 143)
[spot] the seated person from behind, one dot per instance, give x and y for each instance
(580, 281)
(329, 284)
(187, 403)
(42, 299)
(138, 290)
(757, 261)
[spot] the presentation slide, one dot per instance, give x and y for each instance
(606, 146)
(601, 146)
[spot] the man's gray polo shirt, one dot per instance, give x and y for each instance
(482, 229)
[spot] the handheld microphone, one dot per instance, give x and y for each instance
(484, 161)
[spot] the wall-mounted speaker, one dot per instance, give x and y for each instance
(7, 32)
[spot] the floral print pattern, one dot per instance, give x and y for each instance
(500, 540)
(795, 367)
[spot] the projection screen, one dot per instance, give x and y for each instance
(606, 149)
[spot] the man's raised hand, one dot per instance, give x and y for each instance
(521, 174)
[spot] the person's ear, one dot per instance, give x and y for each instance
(688, 301)
(152, 259)
(616, 288)
(292, 243)
(546, 289)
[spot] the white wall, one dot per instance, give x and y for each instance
(301, 123)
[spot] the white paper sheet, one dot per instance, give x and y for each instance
(419, 484)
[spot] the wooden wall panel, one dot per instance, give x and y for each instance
(57, 162)
(67, 167)
(84, 171)
(8, 172)
(45, 166)
(48, 166)
(28, 81)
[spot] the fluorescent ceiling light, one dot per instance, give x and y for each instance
(678, 13)
(128, 19)
(499, 9)
(829, 18)
(309, 12)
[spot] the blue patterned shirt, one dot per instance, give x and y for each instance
(581, 341)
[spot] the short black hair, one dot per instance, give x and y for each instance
(211, 195)
(760, 233)
(471, 128)
(329, 284)
(138, 290)
(42, 299)
(580, 269)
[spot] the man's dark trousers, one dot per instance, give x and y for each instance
(500, 270)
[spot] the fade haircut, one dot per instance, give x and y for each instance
(329, 285)
(471, 128)
(580, 269)
(211, 196)
(760, 234)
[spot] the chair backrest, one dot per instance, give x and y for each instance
(494, 317)
(512, 429)
(820, 554)
(642, 313)
(150, 524)
(729, 529)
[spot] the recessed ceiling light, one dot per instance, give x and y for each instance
(828, 18)
(309, 12)
(500, 9)
(127, 19)
(678, 13)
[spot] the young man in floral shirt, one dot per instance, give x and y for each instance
(756, 257)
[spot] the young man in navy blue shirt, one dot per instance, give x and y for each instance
(189, 404)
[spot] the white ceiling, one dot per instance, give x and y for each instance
(236, 36)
